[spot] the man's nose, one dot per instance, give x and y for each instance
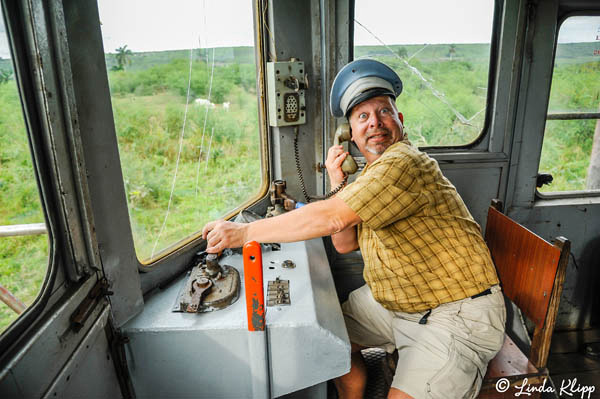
(375, 122)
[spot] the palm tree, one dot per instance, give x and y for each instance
(123, 58)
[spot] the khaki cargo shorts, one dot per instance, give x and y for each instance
(445, 358)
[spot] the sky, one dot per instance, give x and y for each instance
(146, 25)
(159, 25)
(580, 29)
(413, 22)
(156, 25)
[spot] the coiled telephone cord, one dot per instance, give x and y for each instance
(307, 197)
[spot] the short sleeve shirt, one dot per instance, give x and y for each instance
(420, 244)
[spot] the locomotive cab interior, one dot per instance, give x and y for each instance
(126, 126)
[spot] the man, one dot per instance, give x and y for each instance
(432, 290)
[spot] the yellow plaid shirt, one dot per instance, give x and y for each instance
(420, 244)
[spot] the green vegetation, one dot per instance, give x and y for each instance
(149, 128)
(215, 175)
(219, 162)
(5, 76)
(148, 59)
(23, 260)
(568, 144)
(172, 77)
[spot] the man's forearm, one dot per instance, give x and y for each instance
(313, 220)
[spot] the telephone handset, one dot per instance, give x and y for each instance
(342, 133)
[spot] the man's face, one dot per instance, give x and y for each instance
(375, 126)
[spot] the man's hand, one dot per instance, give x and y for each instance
(221, 234)
(335, 157)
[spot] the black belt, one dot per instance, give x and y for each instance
(482, 293)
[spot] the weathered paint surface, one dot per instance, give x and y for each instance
(253, 280)
(258, 316)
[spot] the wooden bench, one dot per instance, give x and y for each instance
(531, 272)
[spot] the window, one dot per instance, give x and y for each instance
(23, 242)
(441, 51)
(571, 148)
(183, 86)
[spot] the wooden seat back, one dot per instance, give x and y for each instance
(531, 272)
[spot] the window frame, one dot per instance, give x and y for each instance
(19, 45)
(570, 193)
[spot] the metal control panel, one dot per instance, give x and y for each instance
(304, 321)
(286, 83)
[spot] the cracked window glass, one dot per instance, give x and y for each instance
(183, 87)
(441, 51)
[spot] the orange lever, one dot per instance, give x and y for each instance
(253, 282)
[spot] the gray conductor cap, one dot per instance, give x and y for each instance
(360, 80)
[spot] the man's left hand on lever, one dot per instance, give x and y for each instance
(221, 234)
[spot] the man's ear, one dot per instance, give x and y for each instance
(401, 117)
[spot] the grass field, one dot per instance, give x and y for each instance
(23, 260)
(219, 163)
(207, 186)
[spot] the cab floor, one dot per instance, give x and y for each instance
(568, 361)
